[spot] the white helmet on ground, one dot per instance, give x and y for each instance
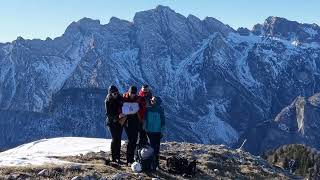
(136, 167)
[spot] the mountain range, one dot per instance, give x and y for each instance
(219, 85)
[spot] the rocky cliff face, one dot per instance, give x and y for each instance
(217, 83)
(296, 123)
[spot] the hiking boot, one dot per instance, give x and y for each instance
(119, 162)
(129, 163)
(113, 160)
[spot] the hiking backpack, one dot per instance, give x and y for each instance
(181, 165)
(145, 156)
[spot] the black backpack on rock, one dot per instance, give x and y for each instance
(181, 165)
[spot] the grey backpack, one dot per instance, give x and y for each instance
(145, 156)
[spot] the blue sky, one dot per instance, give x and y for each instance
(49, 18)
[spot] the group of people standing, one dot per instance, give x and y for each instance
(140, 115)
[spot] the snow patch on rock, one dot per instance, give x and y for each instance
(43, 151)
(213, 129)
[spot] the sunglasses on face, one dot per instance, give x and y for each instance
(114, 94)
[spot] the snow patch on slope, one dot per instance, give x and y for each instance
(64, 70)
(8, 72)
(188, 73)
(42, 151)
(244, 73)
(242, 68)
(7, 49)
(213, 129)
(128, 59)
(312, 45)
(61, 69)
(310, 31)
(294, 44)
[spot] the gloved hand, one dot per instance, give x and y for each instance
(121, 116)
(122, 119)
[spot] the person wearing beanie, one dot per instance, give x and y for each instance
(113, 106)
(132, 106)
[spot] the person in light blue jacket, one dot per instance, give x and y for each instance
(155, 124)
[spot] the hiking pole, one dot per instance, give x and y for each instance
(240, 148)
(165, 137)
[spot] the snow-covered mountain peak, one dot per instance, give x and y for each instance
(288, 30)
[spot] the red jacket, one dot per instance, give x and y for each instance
(142, 104)
(144, 94)
(147, 97)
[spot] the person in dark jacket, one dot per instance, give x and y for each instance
(147, 95)
(113, 106)
(133, 105)
(155, 124)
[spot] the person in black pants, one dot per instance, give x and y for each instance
(155, 124)
(131, 99)
(146, 94)
(113, 106)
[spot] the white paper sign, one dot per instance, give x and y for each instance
(130, 108)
